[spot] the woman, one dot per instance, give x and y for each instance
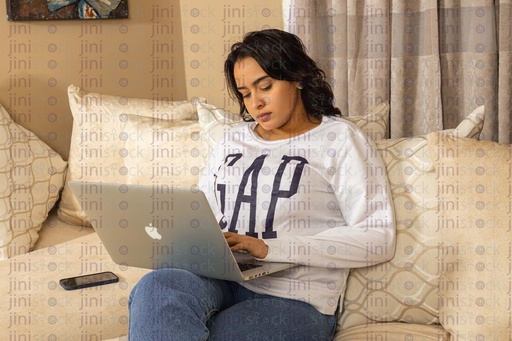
(294, 184)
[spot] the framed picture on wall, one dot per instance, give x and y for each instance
(66, 9)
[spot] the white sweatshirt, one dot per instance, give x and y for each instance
(320, 199)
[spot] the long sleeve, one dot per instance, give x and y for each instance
(365, 232)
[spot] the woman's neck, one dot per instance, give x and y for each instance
(287, 132)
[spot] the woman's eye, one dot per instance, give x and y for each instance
(244, 96)
(267, 88)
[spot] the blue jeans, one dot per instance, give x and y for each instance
(172, 304)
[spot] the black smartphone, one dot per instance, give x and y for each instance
(85, 281)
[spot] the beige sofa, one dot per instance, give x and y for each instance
(451, 194)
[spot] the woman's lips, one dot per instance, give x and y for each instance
(264, 117)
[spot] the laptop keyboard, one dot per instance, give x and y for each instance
(248, 266)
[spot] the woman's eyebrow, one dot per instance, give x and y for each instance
(254, 83)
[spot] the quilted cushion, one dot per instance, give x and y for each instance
(31, 177)
(405, 289)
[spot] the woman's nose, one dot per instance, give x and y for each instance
(259, 101)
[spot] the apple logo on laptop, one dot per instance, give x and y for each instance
(152, 232)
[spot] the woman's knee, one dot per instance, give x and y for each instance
(169, 278)
(158, 282)
(167, 283)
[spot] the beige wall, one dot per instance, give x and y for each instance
(209, 30)
(166, 50)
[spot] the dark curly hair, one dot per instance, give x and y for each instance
(282, 56)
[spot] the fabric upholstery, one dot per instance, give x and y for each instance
(129, 140)
(405, 289)
(31, 177)
(475, 214)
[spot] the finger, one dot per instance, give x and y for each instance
(237, 244)
(232, 241)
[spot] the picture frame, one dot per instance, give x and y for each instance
(19, 10)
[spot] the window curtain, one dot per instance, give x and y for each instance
(433, 61)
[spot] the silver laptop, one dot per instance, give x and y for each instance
(164, 227)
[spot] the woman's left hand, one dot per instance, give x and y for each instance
(256, 247)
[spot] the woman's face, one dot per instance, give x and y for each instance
(276, 105)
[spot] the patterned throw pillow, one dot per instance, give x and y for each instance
(406, 289)
(31, 177)
(129, 140)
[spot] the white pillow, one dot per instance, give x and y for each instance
(129, 140)
(31, 177)
(214, 122)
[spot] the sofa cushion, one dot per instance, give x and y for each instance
(475, 202)
(215, 122)
(393, 331)
(405, 289)
(36, 307)
(129, 140)
(31, 177)
(54, 231)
